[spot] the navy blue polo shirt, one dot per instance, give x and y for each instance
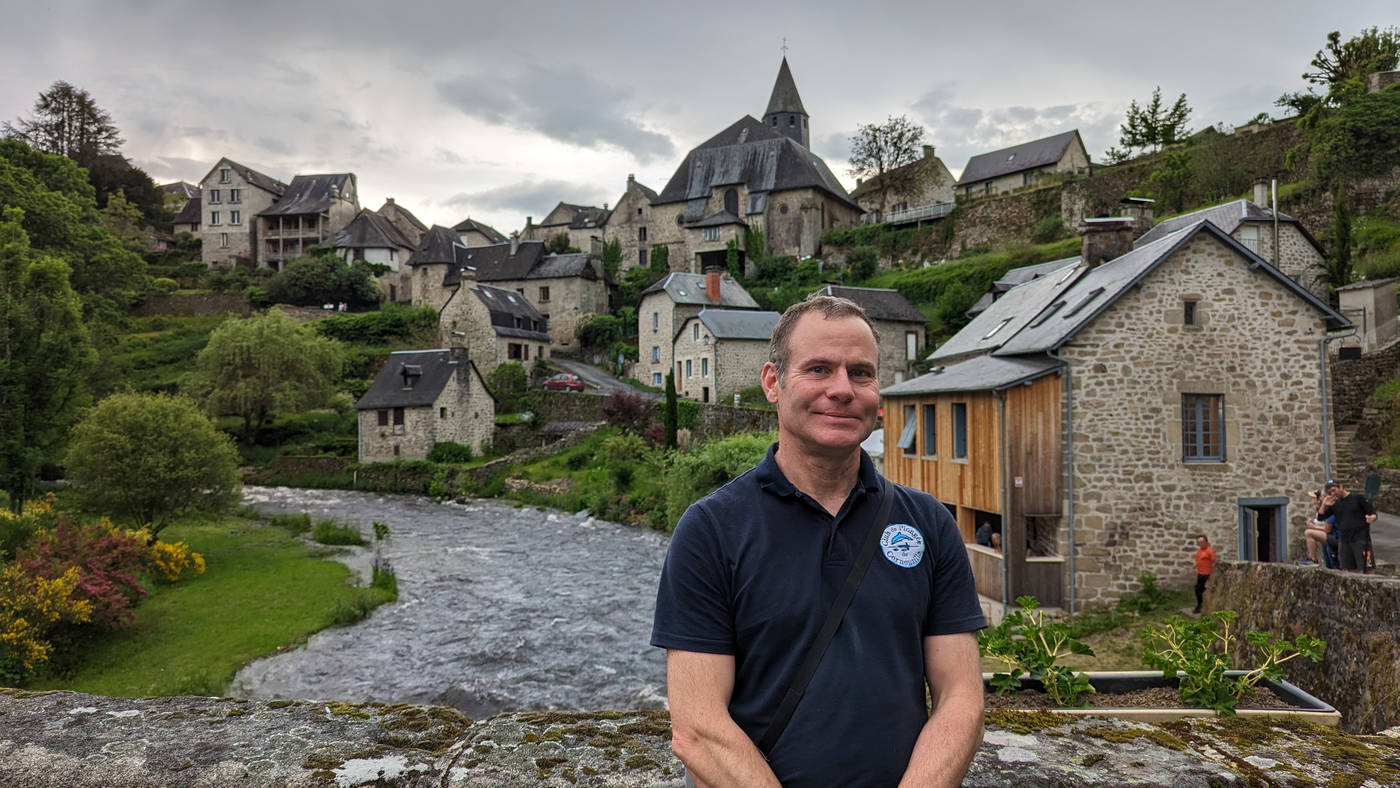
(752, 571)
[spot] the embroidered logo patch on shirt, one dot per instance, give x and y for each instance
(902, 544)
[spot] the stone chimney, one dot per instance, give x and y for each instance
(1106, 239)
(389, 200)
(928, 151)
(712, 280)
(1261, 193)
(631, 177)
(1380, 80)
(515, 240)
(1141, 210)
(460, 359)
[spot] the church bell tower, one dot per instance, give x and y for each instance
(785, 114)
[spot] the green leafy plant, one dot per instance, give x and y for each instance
(381, 531)
(1030, 645)
(332, 532)
(1198, 653)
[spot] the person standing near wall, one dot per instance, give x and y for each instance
(1205, 564)
(1354, 517)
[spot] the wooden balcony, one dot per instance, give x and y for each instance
(1044, 576)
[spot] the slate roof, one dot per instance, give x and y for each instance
(369, 230)
(1043, 314)
(468, 224)
(1017, 276)
(1227, 217)
(182, 189)
(784, 97)
(396, 213)
(495, 262)
(739, 323)
(983, 373)
(1026, 156)
(879, 303)
(581, 216)
(748, 153)
(690, 289)
(436, 367)
(253, 177)
(512, 315)
(720, 219)
(555, 266)
(191, 213)
(309, 194)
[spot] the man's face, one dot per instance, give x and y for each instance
(1201, 542)
(829, 394)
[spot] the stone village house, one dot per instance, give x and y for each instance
(231, 196)
(1104, 414)
(1022, 165)
(311, 210)
(921, 189)
(720, 352)
(420, 398)
(900, 323)
(373, 238)
(667, 304)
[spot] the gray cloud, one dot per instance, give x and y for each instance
(273, 145)
(561, 103)
(170, 168)
(534, 198)
(963, 132)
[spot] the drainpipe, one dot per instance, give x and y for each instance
(1277, 257)
(1069, 468)
(1005, 504)
(1322, 378)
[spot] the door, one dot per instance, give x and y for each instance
(1263, 529)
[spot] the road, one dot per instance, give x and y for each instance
(597, 380)
(1385, 538)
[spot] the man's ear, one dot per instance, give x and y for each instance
(769, 378)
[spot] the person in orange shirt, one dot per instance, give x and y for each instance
(1205, 564)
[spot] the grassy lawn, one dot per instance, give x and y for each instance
(263, 590)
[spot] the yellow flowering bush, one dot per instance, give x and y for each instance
(16, 530)
(29, 608)
(168, 560)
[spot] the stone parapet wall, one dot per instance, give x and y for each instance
(1357, 615)
(195, 305)
(72, 739)
(1353, 380)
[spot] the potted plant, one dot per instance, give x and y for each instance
(1194, 677)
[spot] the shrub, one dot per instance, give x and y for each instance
(624, 448)
(294, 524)
(509, 383)
(630, 412)
(326, 279)
(578, 460)
(862, 262)
(227, 279)
(450, 452)
(698, 473)
(332, 532)
(389, 323)
(384, 577)
(167, 561)
(108, 561)
(30, 606)
(163, 285)
(1051, 228)
(352, 611)
(17, 530)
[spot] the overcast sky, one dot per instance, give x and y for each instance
(500, 110)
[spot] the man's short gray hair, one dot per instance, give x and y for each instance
(830, 307)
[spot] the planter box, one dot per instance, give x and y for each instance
(1304, 705)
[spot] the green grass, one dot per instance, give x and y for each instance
(334, 533)
(262, 591)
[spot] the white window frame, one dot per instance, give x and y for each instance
(235, 217)
(223, 240)
(711, 233)
(213, 217)
(687, 368)
(235, 195)
(704, 367)
(214, 196)
(224, 175)
(656, 379)
(656, 354)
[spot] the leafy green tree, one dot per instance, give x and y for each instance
(1154, 126)
(509, 383)
(1358, 139)
(1340, 62)
(324, 279)
(612, 259)
(266, 364)
(660, 260)
(731, 258)
(125, 222)
(862, 262)
(879, 150)
(1170, 181)
(598, 331)
(558, 243)
(45, 358)
(1337, 268)
(68, 122)
(150, 458)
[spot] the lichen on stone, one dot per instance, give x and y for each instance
(1125, 735)
(1027, 721)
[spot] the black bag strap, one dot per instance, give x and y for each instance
(833, 621)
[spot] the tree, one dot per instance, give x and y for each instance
(1336, 270)
(266, 364)
(862, 262)
(45, 358)
(1341, 62)
(1356, 140)
(125, 222)
(324, 279)
(670, 414)
(660, 260)
(612, 259)
(1154, 126)
(1170, 181)
(68, 122)
(879, 151)
(151, 457)
(558, 243)
(508, 382)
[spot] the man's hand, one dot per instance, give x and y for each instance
(1370, 518)
(953, 732)
(714, 749)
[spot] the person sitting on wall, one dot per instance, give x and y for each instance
(1354, 517)
(1320, 534)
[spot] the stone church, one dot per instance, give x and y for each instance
(753, 175)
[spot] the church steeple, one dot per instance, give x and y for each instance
(785, 114)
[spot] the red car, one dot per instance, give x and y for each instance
(563, 382)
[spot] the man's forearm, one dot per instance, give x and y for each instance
(947, 744)
(721, 755)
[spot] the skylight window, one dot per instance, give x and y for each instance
(1069, 271)
(999, 327)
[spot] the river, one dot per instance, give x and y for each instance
(501, 608)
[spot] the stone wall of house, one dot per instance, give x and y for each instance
(894, 361)
(1353, 380)
(629, 222)
(427, 288)
(1137, 505)
(570, 299)
(695, 347)
(242, 238)
(1299, 260)
(195, 304)
(737, 365)
(463, 412)
(1358, 616)
(658, 333)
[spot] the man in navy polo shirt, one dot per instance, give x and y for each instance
(753, 569)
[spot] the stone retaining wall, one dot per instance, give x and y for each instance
(195, 304)
(1357, 615)
(712, 421)
(1353, 380)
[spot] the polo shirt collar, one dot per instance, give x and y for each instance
(770, 477)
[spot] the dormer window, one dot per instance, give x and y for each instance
(410, 374)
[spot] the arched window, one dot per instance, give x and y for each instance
(731, 201)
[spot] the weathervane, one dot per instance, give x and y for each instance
(785, 46)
